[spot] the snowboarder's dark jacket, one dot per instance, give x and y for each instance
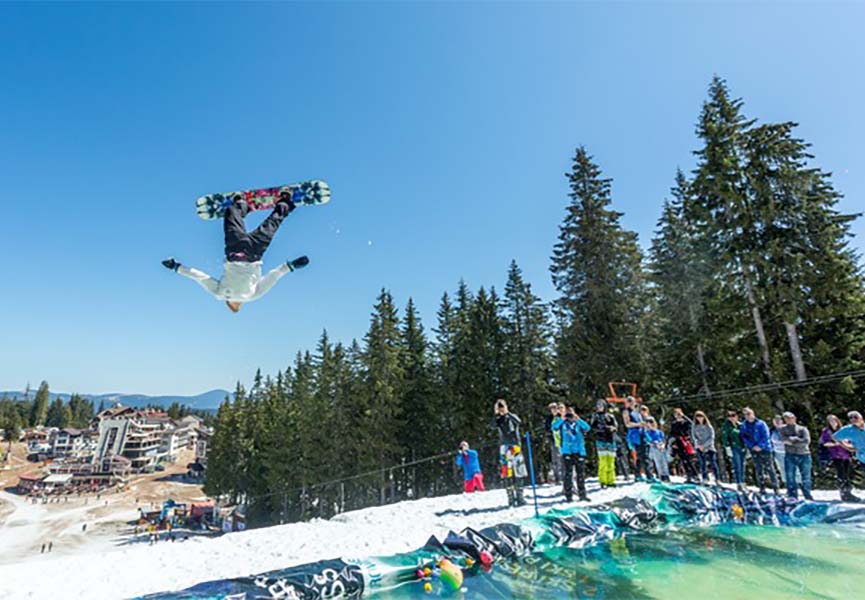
(601, 423)
(508, 426)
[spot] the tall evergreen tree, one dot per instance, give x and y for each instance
(680, 272)
(226, 454)
(39, 410)
(724, 212)
(528, 360)
(596, 268)
(425, 416)
(801, 254)
(384, 375)
(444, 357)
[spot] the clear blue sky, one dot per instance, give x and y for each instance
(444, 130)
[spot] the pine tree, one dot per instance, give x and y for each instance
(39, 410)
(801, 255)
(528, 361)
(725, 214)
(424, 426)
(54, 416)
(480, 365)
(226, 454)
(596, 268)
(81, 410)
(384, 380)
(445, 372)
(680, 271)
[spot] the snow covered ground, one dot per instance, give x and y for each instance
(143, 569)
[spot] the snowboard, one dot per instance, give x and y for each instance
(306, 193)
(513, 465)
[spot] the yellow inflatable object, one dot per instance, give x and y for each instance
(451, 575)
(738, 512)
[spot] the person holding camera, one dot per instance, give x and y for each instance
(573, 430)
(473, 479)
(510, 453)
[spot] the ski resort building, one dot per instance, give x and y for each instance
(29, 483)
(145, 437)
(39, 440)
(203, 436)
(71, 442)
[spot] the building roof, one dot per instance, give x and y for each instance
(71, 431)
(31, 476)
(117, 411)
(58, 478)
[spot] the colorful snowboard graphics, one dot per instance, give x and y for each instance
(308, 193)
(513, 470)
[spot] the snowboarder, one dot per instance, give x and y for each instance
(472, 477)
(242, 280)
(604, 428)
(573, 428)
(513, 463)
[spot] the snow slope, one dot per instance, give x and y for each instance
(143, 569)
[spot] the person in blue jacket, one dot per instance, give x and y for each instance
(755, 435)
(573, 429)
(473, 479)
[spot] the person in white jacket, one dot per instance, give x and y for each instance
(242, 280)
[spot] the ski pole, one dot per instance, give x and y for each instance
(532, 471)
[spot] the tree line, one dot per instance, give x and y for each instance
(18, 414)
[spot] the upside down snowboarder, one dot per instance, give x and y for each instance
(242, 279)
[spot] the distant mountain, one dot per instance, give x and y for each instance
(206, 401)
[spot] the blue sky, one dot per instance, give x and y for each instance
(444, 130)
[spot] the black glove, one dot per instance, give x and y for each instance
(297, 263)
(170, 263)
(285, 204)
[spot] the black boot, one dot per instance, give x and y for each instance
(297, 263)
(847, 496)
(520, 501)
